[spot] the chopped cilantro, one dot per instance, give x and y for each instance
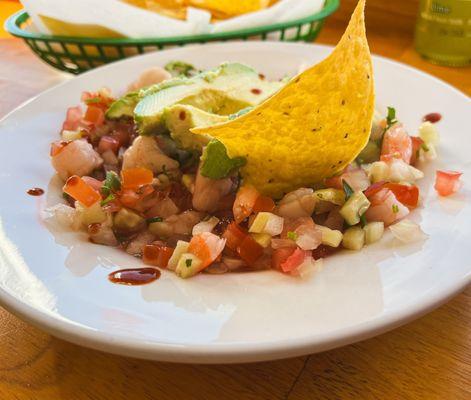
(216, 164)
(180, 68)
(363, 220)
(154, 219)
(395, 208)
(110, 198)
(112, 183)
(424, 147)
(93, 100)
(347, 189)
(391, 117)
(292, 235)
(188, 262)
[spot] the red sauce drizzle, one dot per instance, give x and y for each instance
(256, 91)
(35, 192)
(134, 276)
(432, 117)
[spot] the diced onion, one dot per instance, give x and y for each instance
(205, 226)
(309, 267)
(407, 231)
(429, 133)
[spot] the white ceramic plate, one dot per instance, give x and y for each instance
(58, 281)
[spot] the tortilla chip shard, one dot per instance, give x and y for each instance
(313, 127)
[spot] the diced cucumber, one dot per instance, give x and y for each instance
(180, 249)
(263, 239)
(373, 231)
(354, 208)
(71, 135)
(266, 222)
(188, 265)
(259, 222)
(90, 215)
(353, 238)
(161, 229)
(429, 133)
(126, 219)
(330, 237)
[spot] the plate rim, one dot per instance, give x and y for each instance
(229, 352)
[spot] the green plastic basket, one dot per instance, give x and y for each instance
(78, 54)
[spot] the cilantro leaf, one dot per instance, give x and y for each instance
(154, 219)
(363, 220)
(109, 199)
(112, 183)
(216, 164)
(347, 189)
(292, 235)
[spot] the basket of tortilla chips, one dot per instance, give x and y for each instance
(79, 46)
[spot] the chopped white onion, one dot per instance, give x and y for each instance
(205, 226)
(309, 267)
(407, 231)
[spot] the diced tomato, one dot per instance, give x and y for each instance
(279, 256)
(374, 188)
(57, 147)
(157, 255)
(249, 250)
(81, 191)
(263, 204)
(406, 194)
(294, 260)
(94, 115)
(447, 182)
(129, 198)
(334, 182)
(101, 99)
(94, 183)
(417, 143)
(108, 143)
(244, 202)
(397, 141)
(133, 178)
(234, 236)
(72, 119)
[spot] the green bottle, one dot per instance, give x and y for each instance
(443, 31)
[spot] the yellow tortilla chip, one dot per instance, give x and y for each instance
(230, 8)
(313, 127)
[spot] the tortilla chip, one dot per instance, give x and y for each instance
(313, 127)
(230, 8)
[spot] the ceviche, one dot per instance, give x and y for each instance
(224, 170)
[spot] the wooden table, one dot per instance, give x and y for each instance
(427, 359)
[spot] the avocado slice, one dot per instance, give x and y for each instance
(180, 118)
(224, 90)
(124, 106)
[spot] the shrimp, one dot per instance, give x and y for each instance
(208, 192)
(296, 204)
(182, 224)
(144, 152)
(149, 77)
(386, 208)
(76, 158)
(396, 142)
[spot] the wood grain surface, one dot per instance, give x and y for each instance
(427, 359)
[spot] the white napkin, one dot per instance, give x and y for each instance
(135, 22)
